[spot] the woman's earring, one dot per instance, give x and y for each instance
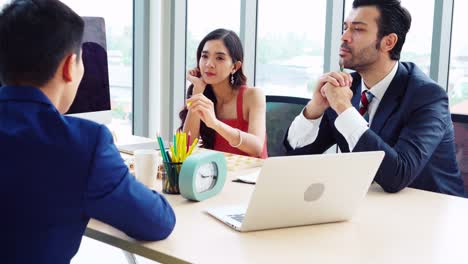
(232, 79)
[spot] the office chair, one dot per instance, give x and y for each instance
(460, 124)
(280, 112)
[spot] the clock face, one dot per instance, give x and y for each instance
(206, 177)
(202, 175)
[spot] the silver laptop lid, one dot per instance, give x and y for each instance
(310, 189)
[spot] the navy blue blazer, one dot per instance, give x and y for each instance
(56, 173)
(412, 125)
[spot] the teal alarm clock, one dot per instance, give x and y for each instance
(202, 175)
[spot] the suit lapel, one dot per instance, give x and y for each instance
(356, 100)
(391, 99)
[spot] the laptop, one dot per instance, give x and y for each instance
(304, 190)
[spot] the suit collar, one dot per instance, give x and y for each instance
(379, 89)
(390, 100)
(23, 93)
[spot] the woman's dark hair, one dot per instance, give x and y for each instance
(234, 47)
(393, 19)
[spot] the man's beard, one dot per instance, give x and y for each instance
(362, 59)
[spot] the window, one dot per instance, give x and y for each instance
(119, 27)
(204, 16)
(418, 44)
(417, 47)
(458, 78)
(290, 46)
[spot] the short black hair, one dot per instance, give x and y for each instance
(394, 18)
(35, 35)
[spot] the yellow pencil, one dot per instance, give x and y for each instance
(176, 159)
(192, 146)
(179, 154)
(183, 148)
(179, 144)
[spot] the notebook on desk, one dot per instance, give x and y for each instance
(304, 190)
(130, 148)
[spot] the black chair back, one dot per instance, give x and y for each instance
(460, 124)
(280, 112)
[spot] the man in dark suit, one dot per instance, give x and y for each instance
(58, 171)
(407, 112)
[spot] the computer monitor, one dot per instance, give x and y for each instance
(93, 97)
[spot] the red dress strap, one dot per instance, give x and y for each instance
(240, 103)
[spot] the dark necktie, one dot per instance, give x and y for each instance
(366, 98)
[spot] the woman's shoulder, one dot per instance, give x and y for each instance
(253, 96)
(253, 92)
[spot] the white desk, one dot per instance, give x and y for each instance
(409, 227)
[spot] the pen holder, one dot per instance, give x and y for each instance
(170, 179)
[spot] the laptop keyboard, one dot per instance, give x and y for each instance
(238, 217)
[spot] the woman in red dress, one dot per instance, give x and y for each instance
(228, 115)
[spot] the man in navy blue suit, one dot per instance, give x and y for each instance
(58, 171)
(385, 105)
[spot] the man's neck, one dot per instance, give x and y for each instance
(54, 94)
(377, 72)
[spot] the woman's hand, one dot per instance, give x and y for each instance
(204, 108)
(195, 78)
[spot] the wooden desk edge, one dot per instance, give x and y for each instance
(132, 247)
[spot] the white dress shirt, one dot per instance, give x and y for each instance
(350, 123)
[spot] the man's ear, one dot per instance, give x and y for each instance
(236, 66)
(68, 67)
(389, 42)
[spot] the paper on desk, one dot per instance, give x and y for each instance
(249, 177)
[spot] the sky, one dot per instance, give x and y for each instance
(206, 15)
